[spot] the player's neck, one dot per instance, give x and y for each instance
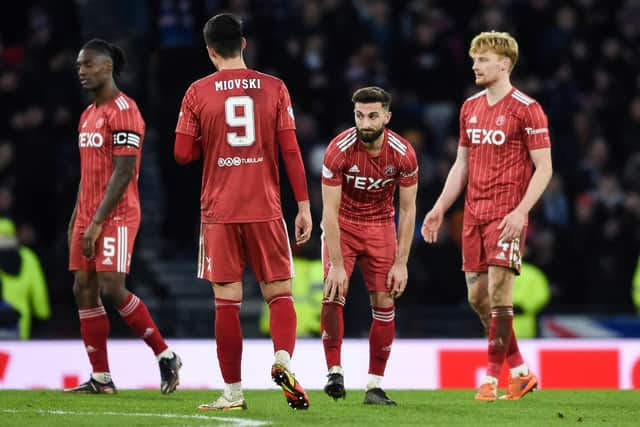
(498, 90)
(375, 147)
(231, 64)
(106, 93)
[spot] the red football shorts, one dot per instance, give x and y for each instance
(482, 247)
(224, 249)
(113, 249)
(375, 248)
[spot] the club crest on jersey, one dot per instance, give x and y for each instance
(389, 170)
(99, 123)
(500, 120)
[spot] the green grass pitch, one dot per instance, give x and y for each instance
(268, 407)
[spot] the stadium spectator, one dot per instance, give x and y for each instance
(235, 119)
(361, 169)
(503, 136)
(23, 285)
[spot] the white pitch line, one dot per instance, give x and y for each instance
(241, 422)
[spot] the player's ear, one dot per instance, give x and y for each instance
(244, 43)
(108, 65)
(388, 118)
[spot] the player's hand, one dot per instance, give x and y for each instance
(397, 279)
(512, 226)
(335, 284)
(303, 223)
(91, 234)
(431, 224)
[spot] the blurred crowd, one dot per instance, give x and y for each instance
(579, 59)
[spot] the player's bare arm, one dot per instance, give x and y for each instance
(124, 168)
(336, 280)
(513, 223)
(303, 222)
(294, 166)
(453, 186)
(398, 275)
(72, 221)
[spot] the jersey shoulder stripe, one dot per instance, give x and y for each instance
(476, 95)
(522, 97)
(348, 140)
(396, 144)
(122, 103)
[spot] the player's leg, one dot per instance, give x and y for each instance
(505, 258)
(478, 297)
(221, 262)
(270, 257)
(113, 258)
(94, 329)
(475, 266)
(375, 265)
(94, 323)
(332, 316)
(381, 335)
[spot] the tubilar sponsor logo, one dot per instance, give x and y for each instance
(238, 161)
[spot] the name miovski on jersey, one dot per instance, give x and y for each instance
(237, 84)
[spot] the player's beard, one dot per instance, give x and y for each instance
(368, 136)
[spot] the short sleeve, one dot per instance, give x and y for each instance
(463, 139)
(127, 129)
(332, 166)
(535, 129)
(286, 119)
(409, 168)
(188, 120)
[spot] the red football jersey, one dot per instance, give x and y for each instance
(113, 129)
(368, 183)
(236, 115)
(499, 138)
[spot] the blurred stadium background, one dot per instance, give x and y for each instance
(580, 59)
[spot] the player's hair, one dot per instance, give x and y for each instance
(111, 50)
(371, 94)
(500, 43)
(224, 34)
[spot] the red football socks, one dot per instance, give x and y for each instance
(332, 326)
(229, 339)
(134, 312)
(282, 322)
(499, 337)
(514, 358)
(94, 329)
(383, 328)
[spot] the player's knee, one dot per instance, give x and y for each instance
(112, 288)
(479, 303)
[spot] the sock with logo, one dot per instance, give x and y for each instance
(229, 339)
(383, 328)
(94, 329)
(135, 314)
(499, 337)
(332, 326)
(282, 322)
